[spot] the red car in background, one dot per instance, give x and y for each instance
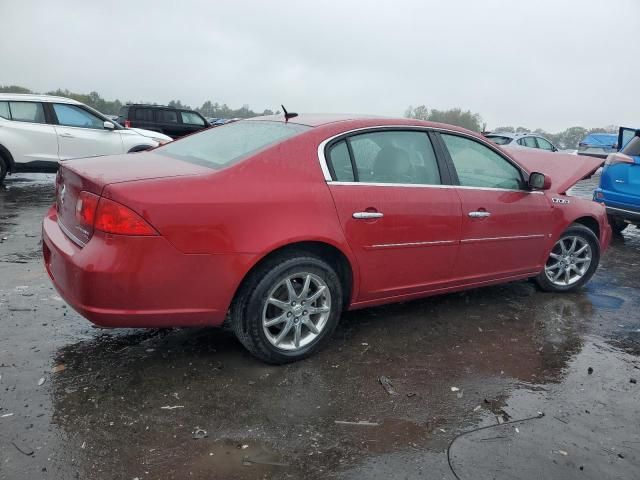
(277, 225)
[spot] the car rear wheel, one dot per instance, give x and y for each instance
(572, 262)
(288, 308)
(617, 225)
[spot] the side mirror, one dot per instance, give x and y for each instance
(539, 181)
(109, 125)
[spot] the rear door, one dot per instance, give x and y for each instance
(401, 222)
(505, 226)
(167, 122)
(82, 134)
(32, 141)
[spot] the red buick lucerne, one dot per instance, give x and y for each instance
(276, 225)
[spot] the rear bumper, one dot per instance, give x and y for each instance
(129, 281)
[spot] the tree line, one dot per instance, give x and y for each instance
(567, 139)
(112, 107)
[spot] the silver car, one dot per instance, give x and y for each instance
(528, 140)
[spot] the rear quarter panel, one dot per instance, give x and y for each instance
(273, 199)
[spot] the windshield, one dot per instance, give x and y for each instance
(222, 146)
(499, 140)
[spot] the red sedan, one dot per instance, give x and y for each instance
(277, 226)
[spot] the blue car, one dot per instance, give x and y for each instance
(619, 188)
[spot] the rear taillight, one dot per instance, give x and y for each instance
(113, 217)
(614, 158)
(127, 123)
(86, 207)
(102, 214)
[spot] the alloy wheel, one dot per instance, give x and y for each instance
(569, 261)
(296, 311)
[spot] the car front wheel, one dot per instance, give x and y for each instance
(3, 169)
(572, 262)
(288, 308)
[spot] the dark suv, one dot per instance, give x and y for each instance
(174, 122)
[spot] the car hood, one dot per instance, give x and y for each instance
(130, 167)
(564, 170)
(149, 134)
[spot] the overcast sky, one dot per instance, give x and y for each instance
(547, 63)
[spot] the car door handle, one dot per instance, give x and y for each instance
(66, 134)
(367, 215)
(479, 214)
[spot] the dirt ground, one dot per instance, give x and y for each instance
(80, 402)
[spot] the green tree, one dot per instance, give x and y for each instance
(454, 116)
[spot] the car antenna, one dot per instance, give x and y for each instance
(288, 115)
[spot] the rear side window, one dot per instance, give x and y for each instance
(144, 114)
(222, 146)
(4, 110)
(167, 116)
(528, 142)
(27, 112)
(395, 157)
(341, 162)
(479, 166)
(191, 118)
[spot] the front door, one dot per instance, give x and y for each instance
(505, 226)
(82, 134)
(400, 222)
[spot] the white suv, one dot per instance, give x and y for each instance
(36, 131)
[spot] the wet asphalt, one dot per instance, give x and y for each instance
(80, 402)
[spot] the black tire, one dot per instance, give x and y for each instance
(575, 230)
(139, 148)
(4, 168)
(617, 225)
(247, 310)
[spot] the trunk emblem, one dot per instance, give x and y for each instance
(563, 201)
(62, 192)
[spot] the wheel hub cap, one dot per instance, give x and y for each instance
(569, 261)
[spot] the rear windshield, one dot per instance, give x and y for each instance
(221, 146)
(633, 147)
(499, 139)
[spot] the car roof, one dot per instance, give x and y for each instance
(512, 135)
(29, 97)
(149, 105)
(321, 119)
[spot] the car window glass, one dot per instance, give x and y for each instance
(167, 116)
(530, 142)
(222, 146)
(479, 166)
(144, 114)
(395, 157)
(4, 110)
(191, 118)
(74, 116)
(544, 144)
(499, 139)
(632, 148)
(341, 162)
(27, 112)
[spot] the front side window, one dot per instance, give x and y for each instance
(222, 146)
(4, 110)
(74, 116)
(397, 157)
(479, 166)
(544, 144)
(528, 142)
(191, 118)
(27, 112)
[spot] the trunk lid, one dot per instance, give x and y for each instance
(93, 174)
(564, 170)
